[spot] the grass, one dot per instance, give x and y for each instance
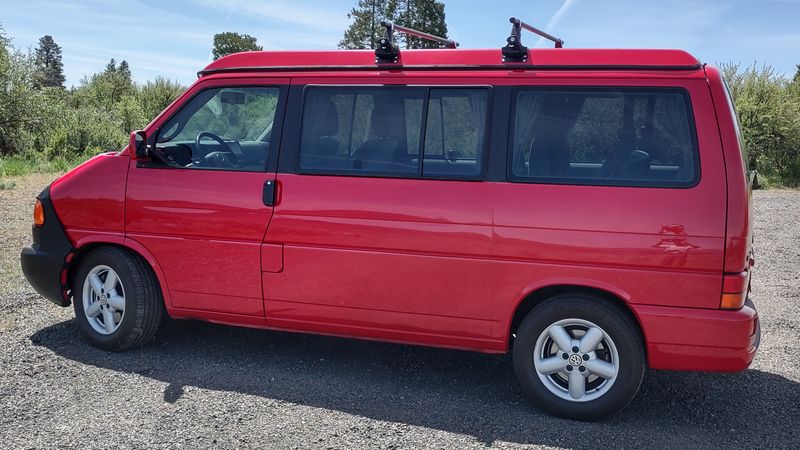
(773, 182)
(33, 163)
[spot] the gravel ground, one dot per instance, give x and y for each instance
(204, 385)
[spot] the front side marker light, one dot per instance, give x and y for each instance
(38, 214)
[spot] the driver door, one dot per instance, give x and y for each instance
(199, 206)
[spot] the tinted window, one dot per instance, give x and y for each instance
(454, 133)
(381, 131)
(625, 137)
(222, 128)
(362, 130)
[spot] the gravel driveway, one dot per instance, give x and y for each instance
(204, 385)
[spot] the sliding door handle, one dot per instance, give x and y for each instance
(269, 193)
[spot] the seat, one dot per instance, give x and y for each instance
(626, 163)
(387, 147)
(320, 145)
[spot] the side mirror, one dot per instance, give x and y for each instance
(138, 143)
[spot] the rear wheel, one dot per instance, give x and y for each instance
(117, 299)
(579, 356)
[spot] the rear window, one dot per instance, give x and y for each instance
(621, 137)
(394, 131)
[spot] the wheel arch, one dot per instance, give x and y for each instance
(536, 295)
(84, 246)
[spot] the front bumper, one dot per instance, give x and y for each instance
(44, 262)
(700, 339)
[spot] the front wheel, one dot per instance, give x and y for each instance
(117, 299)
(579, 357)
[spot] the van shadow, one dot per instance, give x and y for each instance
(453, 391)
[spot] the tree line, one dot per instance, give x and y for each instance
(42, 120)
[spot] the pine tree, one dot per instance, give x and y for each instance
(422, 15)
(111, 67)
(124, 74)
(49, 68)
(366, 28)
(230, 42)
(796, 78)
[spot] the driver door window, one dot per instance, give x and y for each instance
(221, 128)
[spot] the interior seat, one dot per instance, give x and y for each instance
(626, 163)
(386, 146)
(321, 146)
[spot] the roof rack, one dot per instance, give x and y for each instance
(514, 51)
(387, 52)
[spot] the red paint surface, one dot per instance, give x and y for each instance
(474, 57)
(431, 262)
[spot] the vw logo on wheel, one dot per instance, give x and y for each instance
(575, 360)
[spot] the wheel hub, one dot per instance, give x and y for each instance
(103, 299)
(576, 360)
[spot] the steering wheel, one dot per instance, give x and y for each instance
(226, 149)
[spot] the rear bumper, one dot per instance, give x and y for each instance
(44, 262)
(700, 339)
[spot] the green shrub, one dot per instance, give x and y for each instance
(768, 106)
(53, 129)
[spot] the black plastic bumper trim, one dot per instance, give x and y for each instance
(44, 261)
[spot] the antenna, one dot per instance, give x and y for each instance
(388, 52)
(514, 51)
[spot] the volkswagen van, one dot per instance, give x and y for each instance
(586, 210)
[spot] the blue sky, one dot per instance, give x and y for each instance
(173, 38)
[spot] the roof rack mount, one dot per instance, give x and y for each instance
(514, 51)
(388, 52)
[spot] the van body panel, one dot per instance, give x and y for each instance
(699, 339)
(205, 228)
(739, 229)
(434, 261)
(408, 247)
(92, 195)
(452, 61)
(675, 230)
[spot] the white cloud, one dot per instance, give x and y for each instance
(308, 15)
(554, 21)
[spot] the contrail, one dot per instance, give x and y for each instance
(557, 18)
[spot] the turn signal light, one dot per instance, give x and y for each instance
(734, 290)
(733, 301)
(38, 214)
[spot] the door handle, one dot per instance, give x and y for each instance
(269, 193)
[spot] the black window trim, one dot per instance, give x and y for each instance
(658, 184)
(273, 149)
(484, 149)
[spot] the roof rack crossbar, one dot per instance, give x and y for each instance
(514, 51)
(388, 52)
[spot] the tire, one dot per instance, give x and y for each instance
(611, 372)
(135, 318)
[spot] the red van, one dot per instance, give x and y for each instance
(586, 210)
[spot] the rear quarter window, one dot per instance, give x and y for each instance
(604, 136)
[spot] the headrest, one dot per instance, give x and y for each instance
(328, 119)
(384, 120)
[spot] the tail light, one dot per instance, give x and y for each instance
(734, 290)
(38, 214)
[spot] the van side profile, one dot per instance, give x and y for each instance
(587, 210)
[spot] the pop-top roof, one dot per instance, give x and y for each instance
(538, 59)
